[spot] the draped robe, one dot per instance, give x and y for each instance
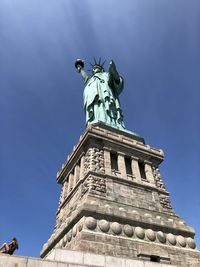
(101, 102)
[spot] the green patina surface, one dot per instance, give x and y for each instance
(101, 95)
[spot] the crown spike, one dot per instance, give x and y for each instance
(103, 63)
(95, 62)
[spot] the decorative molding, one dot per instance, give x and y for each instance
(126, 231)
(94, 160)
(158, 178)
(148, 162)
(165, 202)
(134, 158)
(93, 183)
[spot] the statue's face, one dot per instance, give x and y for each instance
(97, 69)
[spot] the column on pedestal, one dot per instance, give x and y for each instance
(107, 161)
(135, 168)
(82, 161)
(65, 190)
(71, 182)
(121, 164)
(76, 173)
(149, 172)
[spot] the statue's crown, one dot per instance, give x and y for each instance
(98, 64)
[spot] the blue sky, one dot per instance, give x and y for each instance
(156, 47)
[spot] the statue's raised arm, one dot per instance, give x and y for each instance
(101, 102)
(79, 64)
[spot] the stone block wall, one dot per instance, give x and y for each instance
(67, 258)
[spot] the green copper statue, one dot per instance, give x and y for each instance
(102, 89)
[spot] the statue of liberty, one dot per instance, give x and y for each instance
(101, 94)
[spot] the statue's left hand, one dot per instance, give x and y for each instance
(112, 66)
(113, 71)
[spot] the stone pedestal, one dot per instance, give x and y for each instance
(114, 202)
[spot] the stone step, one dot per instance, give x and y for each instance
(69, 258)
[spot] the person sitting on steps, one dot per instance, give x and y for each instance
(9, 248)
